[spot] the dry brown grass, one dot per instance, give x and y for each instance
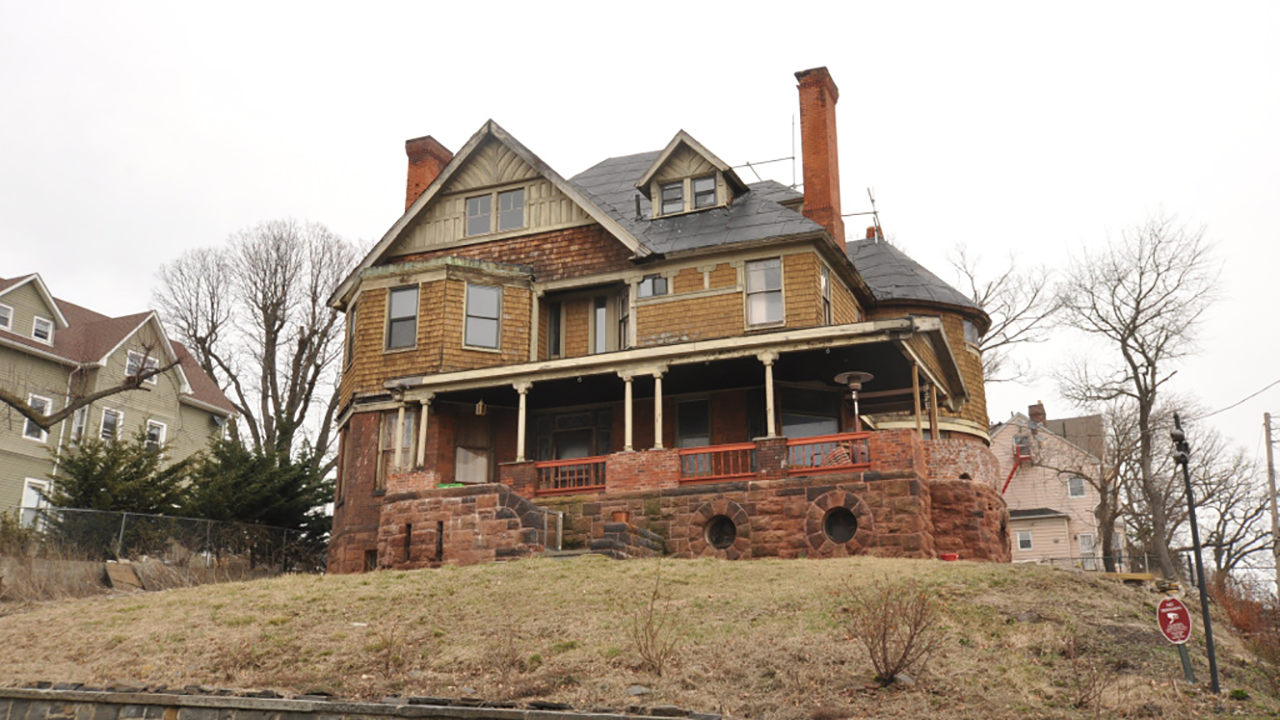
(760, 639)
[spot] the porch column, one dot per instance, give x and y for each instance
(627, 431)
(422, 430)
(657, 410)
(521, 418)
(399, 438)
(915, 398)
(768, 358)
(933, 412)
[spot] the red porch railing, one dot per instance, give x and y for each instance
(827, 453)
(570, 476)
(717, 462)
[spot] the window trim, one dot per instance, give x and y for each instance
(466, 215)
(466, 317)
(1084, 491)
(79, 424)
(524, 209)
(653, 280)
(662, 198)
(102, 424)
(1029, 537)
(351, 333)
(146, 361)
(7, 323)
(494, 223)
(747, 292)
(417, 298)
(42, 435)
(824, 283)
(693, 192)
(35, 323)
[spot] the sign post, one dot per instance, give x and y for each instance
(1175, 624)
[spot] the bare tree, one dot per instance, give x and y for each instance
(1141, 297)
(255, 317)
(1021, 303)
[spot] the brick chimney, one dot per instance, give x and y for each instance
(1036, 413)
(426, 159)
(818, 95)
(873, 233)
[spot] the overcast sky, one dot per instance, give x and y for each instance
(134, 131)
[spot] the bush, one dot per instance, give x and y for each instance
(896, 623)
(655, 629)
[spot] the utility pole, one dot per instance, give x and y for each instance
(1182, 456)
(1271, 486)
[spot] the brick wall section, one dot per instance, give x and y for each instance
(956, 459)
(971, 520)
(644, 471)
(356, 512)
(572, 252)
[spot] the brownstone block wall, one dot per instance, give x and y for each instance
(357, 507)
(971, 520)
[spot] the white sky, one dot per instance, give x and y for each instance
(133, 131)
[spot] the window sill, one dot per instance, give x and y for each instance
(476, 348)
(392, 351)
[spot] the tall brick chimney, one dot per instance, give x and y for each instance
(426, 159)
(1036, 413)
(818, 96)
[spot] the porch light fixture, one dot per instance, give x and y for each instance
(480, 409)
(854, 380)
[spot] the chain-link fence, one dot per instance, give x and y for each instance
(178, 542)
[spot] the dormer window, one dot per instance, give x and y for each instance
(704, 192)
(42, 330)
(481, 219)
(673, 198)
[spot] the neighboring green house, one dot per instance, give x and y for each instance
(52, 350)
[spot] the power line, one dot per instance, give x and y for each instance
(1254, 395)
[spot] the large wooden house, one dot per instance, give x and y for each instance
(643, 359)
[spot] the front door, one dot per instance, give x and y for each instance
(34, 493)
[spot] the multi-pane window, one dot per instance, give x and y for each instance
(138, 362)
(402, 318)
(511, 209)
(1024, 539)
(704, 192)
(764, 291)
(479, 215)
(825, 280)
(111, 422)
(652, 286)
(387, 445)
(1075, 486)
(484, 307)
(624, 320)
(42, 330)
(6, 317)
(31, 430)
(555, 330)
(672, 197)
(351, 334)
(155, 435)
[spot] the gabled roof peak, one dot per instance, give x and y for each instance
(684, 138)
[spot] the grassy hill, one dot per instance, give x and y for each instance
(759, 639)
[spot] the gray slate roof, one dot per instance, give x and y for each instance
(892, 275)
(755, 215)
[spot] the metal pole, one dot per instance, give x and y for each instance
(120, 539)
(1271, 486)
(1182, 456)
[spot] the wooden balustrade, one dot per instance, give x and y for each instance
(717, 462)
(570, 476)
(828, 453)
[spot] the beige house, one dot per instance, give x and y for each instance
(1047, 469)
(52, 350)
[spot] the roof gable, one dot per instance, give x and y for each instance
(34, 281)
(491, 157)
(686, 157)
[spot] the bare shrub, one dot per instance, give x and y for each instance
(897, 623)
(1090, 675)
(655, 629)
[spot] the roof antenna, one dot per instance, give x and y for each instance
(638, 215)
(875, 215)
(793, 151)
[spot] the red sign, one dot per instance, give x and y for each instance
(1174, 620)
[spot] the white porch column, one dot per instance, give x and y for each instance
(768, 358)
(399, 438)
(422, 430)
(657, 410)
(522, 418)
(628, 426)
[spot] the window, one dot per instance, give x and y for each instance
(1075, 486)
(1024, 539)
(155, 435)
(42, 330)
(704, 192)
(484, 306)
(511, 209)
(138, 362)
(600, 325)
(34, 499)
(32, 431)
(672, 197)
(351, 334)
(471, 466)
(624, 320)
(78, 423)
(6, 317)
(479, 215)
(825, 280)
(481, 220)
(402, 318)
(764, 292)
(971, 334)
(693, 424)
(652, 286)
(555, 330)
(387, 446)
(111, 422)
